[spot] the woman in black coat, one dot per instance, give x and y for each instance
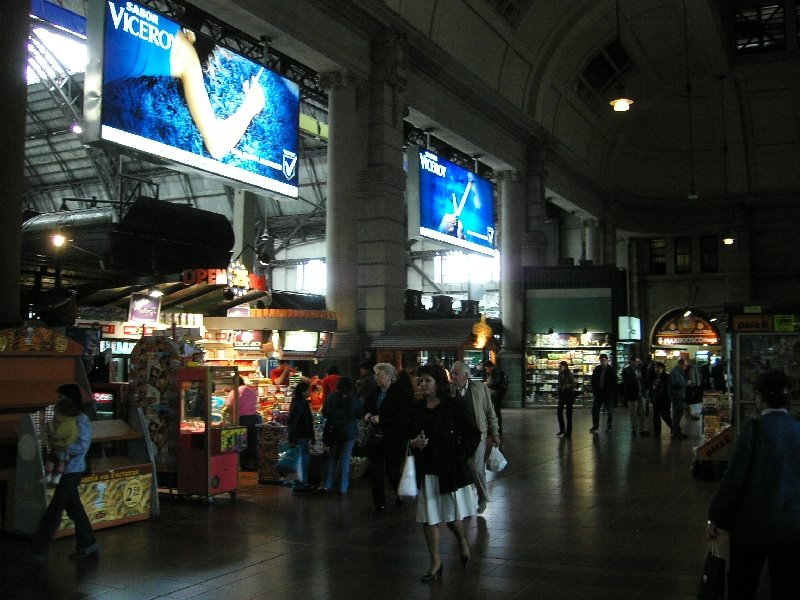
(445, 438)
(388, 407)
(301, 430)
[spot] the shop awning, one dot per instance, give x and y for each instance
(429, 333)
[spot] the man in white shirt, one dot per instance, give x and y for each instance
(486, 420)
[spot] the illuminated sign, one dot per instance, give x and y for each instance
(679, 330)
(164, 90)
(752, 322)
(449, 203)
(232, 276)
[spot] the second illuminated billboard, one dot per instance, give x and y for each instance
(450, 204)
(156, 87)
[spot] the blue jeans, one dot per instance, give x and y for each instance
(303, 460)
(339, 452)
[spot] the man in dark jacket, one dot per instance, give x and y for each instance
(604, 387)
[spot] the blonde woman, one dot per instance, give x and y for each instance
(389, 408)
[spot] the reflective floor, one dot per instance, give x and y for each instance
(604, 515)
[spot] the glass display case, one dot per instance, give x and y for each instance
(543, 354)
(208, 462)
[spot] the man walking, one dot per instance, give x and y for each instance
(633, 394)
(604, 386)
(678, 383)
(497, 382)
(477, 394)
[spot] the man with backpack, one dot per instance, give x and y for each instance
(497, 382)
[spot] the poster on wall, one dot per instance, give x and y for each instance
(156, 87)
(449, 203)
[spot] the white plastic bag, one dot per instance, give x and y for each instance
(407, 488)
(496, 461)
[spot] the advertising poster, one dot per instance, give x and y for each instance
(456, 206)
(112, 496)
(143, 309)
(173, 93)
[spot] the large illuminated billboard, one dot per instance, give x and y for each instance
(164, 90)
(449, 203)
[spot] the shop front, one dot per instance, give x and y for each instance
(571, 315)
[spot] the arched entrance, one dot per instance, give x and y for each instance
(685, 331)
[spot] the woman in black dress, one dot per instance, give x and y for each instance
(445, 437)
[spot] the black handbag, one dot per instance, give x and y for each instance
(712, 581)
(694, 394)
(372, 437)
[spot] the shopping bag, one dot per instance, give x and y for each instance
(407, 488)
(288, 461)
(712, 582)
(496, 461)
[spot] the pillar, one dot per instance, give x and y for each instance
(245, 213)
(347, 157)
(381, 191)
(511, 204)
(13, 98)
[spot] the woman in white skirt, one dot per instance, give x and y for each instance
(445, 437)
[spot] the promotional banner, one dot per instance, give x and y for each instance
(456, 206)
(170, 92)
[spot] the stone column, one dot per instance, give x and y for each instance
(534, 238)
(244, 217)
(610, 234)
(347, 157)
(511, 204)
(381, 192)
(13, 98)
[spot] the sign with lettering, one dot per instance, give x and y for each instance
(752, 322)
(784, 323)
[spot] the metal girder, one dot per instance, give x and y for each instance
(238, 41)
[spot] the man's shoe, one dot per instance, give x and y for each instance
(593, 429)
(633, 432)
(679, 436)
(379, 510)
(645, 432)
(481, 507)
(92, 551)
(608, 428)
(398, 503)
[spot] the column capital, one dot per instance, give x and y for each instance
(330, 80)
(509, 175)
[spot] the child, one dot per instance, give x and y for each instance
(62, 431)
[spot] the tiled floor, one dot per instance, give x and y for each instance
(598, 516)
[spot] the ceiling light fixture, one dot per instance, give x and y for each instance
(58, 240)
(688, 312)
(728, 241)
(620, 103)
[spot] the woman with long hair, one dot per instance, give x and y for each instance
(341, 409)
(445, 437)
(301, 430)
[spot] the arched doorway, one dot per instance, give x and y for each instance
(685, 331)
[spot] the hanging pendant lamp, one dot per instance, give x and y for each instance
(620, 103)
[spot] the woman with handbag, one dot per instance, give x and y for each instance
(445, 437)
(388, 407)
(341, 409)
(758, 500)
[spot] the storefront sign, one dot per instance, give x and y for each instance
(784, 323)
(752, 323)
(118, 330)
(680, 330)
(241, 278)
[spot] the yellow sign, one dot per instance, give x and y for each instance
(754, 323)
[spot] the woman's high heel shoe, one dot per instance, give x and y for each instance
(465, 560)
(437, 574)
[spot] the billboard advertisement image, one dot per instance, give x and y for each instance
(455, 206)
(162, 89)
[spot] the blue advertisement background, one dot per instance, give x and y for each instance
(141, 98)
(436, 200)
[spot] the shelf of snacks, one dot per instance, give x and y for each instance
(542, 362)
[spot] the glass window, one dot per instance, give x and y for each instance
(312, 277)
(683, 255)
(658, 256)
(709, 261)
(760, 26)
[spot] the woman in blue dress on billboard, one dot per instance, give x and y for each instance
(154, 46)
